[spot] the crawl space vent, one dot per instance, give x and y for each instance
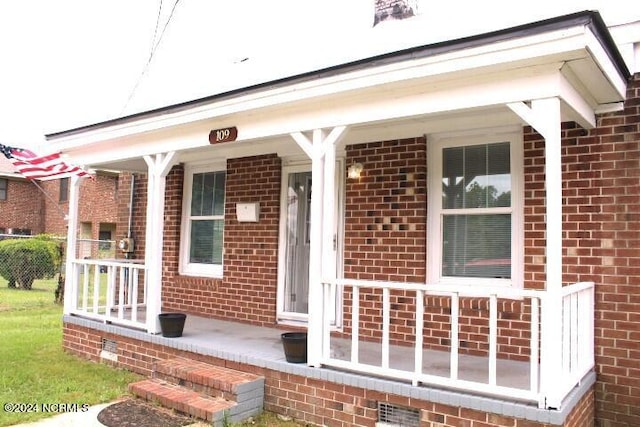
(109, 350)
(392, 415)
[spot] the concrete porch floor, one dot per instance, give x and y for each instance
(264, 343)
(261, 347)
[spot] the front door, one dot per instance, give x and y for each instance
(293, 295)
(296, 274)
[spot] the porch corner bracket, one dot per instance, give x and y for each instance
(537, 115)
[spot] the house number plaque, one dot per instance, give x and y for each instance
(217, 136)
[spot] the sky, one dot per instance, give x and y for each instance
(70, 63)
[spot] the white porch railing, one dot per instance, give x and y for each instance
(576, 321)
(109, 291)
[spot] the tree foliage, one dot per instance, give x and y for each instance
(24, 260)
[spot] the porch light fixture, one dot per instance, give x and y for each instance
(354, 171)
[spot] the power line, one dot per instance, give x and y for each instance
(154, 47)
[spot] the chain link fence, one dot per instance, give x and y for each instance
(38, 262)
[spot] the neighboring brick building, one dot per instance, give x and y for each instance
(31, 208)
(21, 207)
(490, 210)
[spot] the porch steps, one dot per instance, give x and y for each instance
(203, 391)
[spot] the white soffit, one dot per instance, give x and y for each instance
(596, 79)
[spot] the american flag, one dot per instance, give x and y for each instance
(43, 168)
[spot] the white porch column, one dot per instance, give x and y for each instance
(544, 116)
(158, 166)
(70, 283)
(322, 266)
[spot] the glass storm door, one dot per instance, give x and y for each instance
(298, 215)
(295, 225)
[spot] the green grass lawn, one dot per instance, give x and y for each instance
(33, 366)
(35, 370)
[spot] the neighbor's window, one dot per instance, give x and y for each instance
(3, 189)
(476, 218)
(64, 189)
(203, 228)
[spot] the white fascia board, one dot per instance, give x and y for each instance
(627, 37)
(410, 103)
(371, 107)
(518, 52)
(576, 99)
(605, 64)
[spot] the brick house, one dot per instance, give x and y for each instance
(28, 210)
(468, 255)
(20, 207)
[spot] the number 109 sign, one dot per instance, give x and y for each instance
(217, 136)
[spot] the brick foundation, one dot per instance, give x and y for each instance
(306, 399)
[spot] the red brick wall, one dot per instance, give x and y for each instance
(247, 291)
(601, 214)
(97, 204)
(139, 209)
(601, 243)
(385, 223)
(23, 208)
(312, 401)
(385, 239)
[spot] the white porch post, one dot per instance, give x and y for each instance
(158, 166)
(322, 151)
(70, 283)
(544, 116)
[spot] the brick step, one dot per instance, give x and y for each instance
(216, 381)
(186, 401)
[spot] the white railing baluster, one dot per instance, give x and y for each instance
(419, 320)
(355, 324)
(121, 285)
(85, 288)
(589, 327)
(96, 288)
(92, 304)
(493, 338)
(535, 391)
(386, 322)
(534, 345)
(133, 277)
(575, 350)
(454, 336)
(129, 295)
(111, 289)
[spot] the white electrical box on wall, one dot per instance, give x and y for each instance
(248, 212)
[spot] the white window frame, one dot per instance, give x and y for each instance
(435, 146)
(188, 268)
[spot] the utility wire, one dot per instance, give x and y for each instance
(154, 47)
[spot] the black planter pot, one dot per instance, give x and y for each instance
(172, 324)
(295, 346)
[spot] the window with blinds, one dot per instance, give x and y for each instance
(203, 221)
(207, 218)
(475, 231)
(476, 211)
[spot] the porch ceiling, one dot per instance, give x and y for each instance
(426, 90)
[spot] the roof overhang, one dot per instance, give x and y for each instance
(445, 86)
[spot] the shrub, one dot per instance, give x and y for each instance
(24, 260)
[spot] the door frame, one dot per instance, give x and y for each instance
(298, 319)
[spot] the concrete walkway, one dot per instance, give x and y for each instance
(81, 419)
(72, 419)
